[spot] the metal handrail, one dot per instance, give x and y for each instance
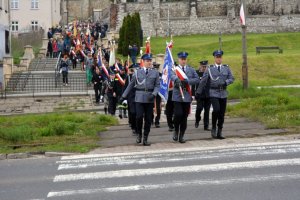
(28, 74)
(56, 71)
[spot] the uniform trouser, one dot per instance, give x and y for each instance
(170, 112)
(132, 114)
(97, 89)
(203, 103)
(144, 111)
(181, 112)
(158, 109)
(219, 108)
(65, 77)
(121, 109)
(112, 105)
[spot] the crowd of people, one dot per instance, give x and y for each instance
(133, 88)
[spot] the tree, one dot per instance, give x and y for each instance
(130, 33)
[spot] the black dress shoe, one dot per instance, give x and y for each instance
(196, 124)
(175, 136)
(157, 126)
(181, 140)
(145, 141)
(133, 132)
(139, 139)
(219, 134)
(214, 133)
(207, 129)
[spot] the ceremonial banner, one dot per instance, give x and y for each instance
(100, 64)
(182, 76)
(166, 75)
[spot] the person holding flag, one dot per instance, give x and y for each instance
(184, 77)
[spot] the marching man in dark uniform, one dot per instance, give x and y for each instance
(147, 86)
(218, 76)
(112, 93)
(182, 100)
(203, 101)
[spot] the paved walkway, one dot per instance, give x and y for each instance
(236, 130)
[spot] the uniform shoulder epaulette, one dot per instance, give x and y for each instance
(211, 66)
(225, 65)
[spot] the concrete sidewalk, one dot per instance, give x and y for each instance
(119, 138)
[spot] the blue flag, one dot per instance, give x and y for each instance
(166, 75)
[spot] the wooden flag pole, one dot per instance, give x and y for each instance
(245, 63)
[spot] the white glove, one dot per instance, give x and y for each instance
(124, 102)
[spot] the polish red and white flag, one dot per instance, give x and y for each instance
(242, 15)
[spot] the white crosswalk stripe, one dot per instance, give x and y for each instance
(115, 173)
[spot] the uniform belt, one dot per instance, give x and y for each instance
(145, 90)
(219, 88)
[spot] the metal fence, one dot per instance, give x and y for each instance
(45, 85)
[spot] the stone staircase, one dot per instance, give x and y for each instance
(42, 78)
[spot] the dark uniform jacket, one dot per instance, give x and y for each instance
(98, 79)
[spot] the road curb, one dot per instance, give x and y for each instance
(3, 156)
(56, 154)
(17, 155)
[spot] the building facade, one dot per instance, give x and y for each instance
(4, 29)
(33, 15)
(177, 17)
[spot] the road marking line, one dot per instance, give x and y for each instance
(260, 178)
(142, 160)
(181, 169)
(225, 147)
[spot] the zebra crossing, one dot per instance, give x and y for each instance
(161, 174)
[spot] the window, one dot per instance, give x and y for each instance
(14, 4)
(7, 50)
(34, 25)
(34, 4)
(15, 26)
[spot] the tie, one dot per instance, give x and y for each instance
(219, 68)
(183, 69)
(147, 71)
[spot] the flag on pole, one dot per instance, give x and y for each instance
(100, 63)
(121, 81)
(166, 75)
(148, 46)
(82, 53)
(75, 29)
(117, 69)
(182, 76)
(112, 57)
(242, 15)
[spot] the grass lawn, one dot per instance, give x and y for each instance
(276, 108)
(264, 69)
(67, 132)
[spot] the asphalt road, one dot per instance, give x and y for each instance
(269, 171)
